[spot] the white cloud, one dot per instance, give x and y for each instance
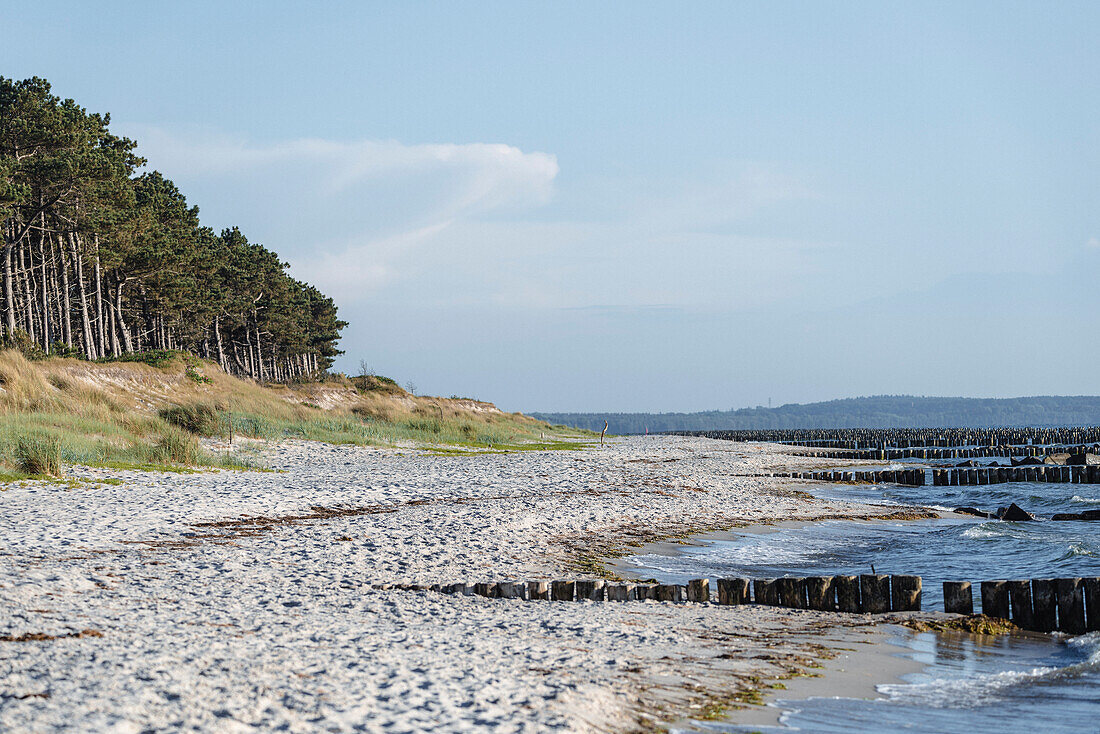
(1093, 242)
(391, 223)
(451, 179)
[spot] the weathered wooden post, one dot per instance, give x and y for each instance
(995, 599)
(619, 592)
(733, 591)
(1092, 603)
(538, 590)
(905, 593)
(1019, 599)
(590, 589)
(669, 592)
(821, 593)
(765, 592)
(698, 590)
(792, 592)
(1043, 605)
(562, 590)
(874, 593)
(486, 589)
(1071, 606)
(958, 598)
(847, 594)
(510, 590)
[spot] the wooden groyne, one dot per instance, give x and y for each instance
(955, 477)
(902, 438)
(910, 477)
(1070, 605)
(869, 594)
(974, 452)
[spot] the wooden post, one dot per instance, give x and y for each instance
(603, 432)
(486, 589)
(1092, 603)
(905, 592)
(958, 598)
(698, 590)
(1043, 605)
(669, 592)
(510, 590)
(1071, 606)
(995, 599)
(847, 593)
(620, 592)
(792, 592)
(590, 589)
(645, 591)
(733, 591)
(821, 593)
(765, 592)
(874, 593)
(1019, 599)
(538, 590)
(562, 590)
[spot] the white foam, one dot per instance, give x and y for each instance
(983, 689)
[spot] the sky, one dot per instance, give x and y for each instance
(625, 206)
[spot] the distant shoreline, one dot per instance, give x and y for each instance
(888, 411)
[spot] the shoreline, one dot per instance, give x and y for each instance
(252, 567)
(672, 547)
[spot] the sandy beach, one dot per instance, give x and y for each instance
(231, 601)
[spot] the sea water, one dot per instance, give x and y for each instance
(968, 684)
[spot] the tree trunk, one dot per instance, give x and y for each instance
(124, 332)
(9, 291)
(218, 341)
(101, 337)
(90, 350)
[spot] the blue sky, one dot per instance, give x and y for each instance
(636, 206)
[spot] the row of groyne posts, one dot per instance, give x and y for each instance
(874, 594)
(1070, 605)
(957, 477)
(877, 438)
(888, 453)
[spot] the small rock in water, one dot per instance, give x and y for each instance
(1083, 460)
(972, 511)
(1027, 461)
(1014, 513)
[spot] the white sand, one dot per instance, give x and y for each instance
(274, 626)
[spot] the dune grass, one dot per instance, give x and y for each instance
(149, 414)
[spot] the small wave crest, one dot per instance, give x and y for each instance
(984, 531)
(1075, 550)
(986, 688)
(1085, 500)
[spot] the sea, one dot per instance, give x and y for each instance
(966, 683)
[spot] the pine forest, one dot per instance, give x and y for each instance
(103, 258)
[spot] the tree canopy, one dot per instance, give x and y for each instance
(102, 258)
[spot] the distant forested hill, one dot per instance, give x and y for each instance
(882, 411)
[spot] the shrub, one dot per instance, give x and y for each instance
(198, 418)
(176, 447)
(39, 454)
(195, 376)
(153, 358)
(377, 383)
